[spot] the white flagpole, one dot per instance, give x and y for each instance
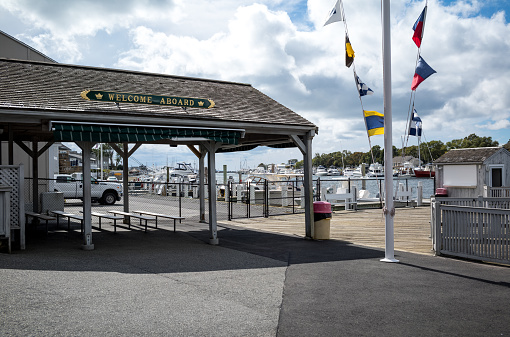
(389, 209)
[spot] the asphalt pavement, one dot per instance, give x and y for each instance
(254, 283)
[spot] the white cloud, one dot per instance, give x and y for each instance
(253, 45)
(298, 62)
(497, 125)
(63, 22)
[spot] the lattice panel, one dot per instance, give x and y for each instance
(10, 176)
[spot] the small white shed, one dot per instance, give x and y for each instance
(472, 172)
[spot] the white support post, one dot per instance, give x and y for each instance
(201, 181)
(419, 196)
(212, 146)
(125, 174)
(86, 149)
(308, 186)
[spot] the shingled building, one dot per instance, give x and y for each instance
(44, 102)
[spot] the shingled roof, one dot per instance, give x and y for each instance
(52, 91)
(58, 87)
(467, 156)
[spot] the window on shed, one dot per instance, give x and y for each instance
(496, 177)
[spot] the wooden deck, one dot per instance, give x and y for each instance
(364, 227)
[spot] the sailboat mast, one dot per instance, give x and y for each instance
(419, 153)
(389, 209)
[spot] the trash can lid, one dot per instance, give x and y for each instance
(441, 191)
(321, 207)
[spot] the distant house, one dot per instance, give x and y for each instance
(472, 172)
(15, 49)
(405, 161)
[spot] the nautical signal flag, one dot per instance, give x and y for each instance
(363, 89)
(419, 27)
(415, 125)
(336, 14)
(375, 122)
(349, 52)
(423, 70)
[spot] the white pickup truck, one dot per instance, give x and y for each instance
(71, 185)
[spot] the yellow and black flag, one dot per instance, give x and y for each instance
(349, 53)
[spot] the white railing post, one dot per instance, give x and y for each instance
(324, 191)
(419, 196)
(285, 201)
(437, 237)
(239, 192)
(227, 192)
(252, 194)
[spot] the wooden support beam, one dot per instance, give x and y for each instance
(194, 150)
(299, 143)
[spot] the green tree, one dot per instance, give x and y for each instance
(118, 159)
(471, 141)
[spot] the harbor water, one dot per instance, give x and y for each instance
(372, 185)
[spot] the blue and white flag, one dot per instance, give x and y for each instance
(336, 14)
(362, 87)
(415, 126)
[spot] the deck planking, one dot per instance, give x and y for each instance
(364, 227)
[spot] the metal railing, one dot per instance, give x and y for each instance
(497, 192)
(502, 203)
(234, 201)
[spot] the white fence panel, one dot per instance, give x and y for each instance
(474, 232)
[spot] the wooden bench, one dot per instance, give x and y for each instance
(69, 217)
(156, 215)
(40, 217)
(347, 198)
(132, 215)
(107, 216)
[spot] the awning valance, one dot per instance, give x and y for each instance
(118, 133)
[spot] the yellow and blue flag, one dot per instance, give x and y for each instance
(349, 52)
(375, 122)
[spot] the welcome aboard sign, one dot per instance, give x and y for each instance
(123, 97)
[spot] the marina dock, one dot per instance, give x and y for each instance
(363, 227)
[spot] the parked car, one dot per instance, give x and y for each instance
(112, 178)
(104, 192)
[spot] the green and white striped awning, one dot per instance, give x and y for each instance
(118, 133)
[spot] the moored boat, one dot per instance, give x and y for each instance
(424, 172)
(321, 171)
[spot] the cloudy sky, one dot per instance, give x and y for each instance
(282, 48)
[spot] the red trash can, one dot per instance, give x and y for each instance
(321, 218)
(441, 192)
